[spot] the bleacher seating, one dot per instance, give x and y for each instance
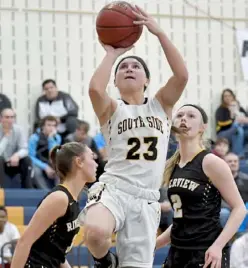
(21, 205)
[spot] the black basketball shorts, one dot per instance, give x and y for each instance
(181, 258)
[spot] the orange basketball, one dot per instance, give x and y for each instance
(115, 27)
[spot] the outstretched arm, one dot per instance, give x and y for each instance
(220, 175)
(169, 94)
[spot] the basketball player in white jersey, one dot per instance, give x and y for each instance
(137, 131)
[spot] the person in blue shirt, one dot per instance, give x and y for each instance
(40, 143)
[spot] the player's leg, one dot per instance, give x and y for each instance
(100, 218)
(136, 241)
(99, 226)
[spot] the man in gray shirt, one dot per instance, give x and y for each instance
(13, 150)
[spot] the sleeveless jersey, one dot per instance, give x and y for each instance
(196, 204)
(137, 140)
(51, 248)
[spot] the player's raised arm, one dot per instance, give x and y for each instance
(103, 105)
(169, 94)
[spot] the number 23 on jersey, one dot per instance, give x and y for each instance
(151, 153)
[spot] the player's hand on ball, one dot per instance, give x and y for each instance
(213, 257)
(115, 51)
(147, 20)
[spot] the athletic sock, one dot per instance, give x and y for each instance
(110, 260)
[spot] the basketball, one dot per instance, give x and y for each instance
(115, 27)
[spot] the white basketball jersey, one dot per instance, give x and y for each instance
(137, 139)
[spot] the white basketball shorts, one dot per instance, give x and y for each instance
(137, 219)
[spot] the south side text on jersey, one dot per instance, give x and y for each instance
(140, 122)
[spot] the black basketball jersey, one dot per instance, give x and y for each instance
(51, 248)
(196, 204)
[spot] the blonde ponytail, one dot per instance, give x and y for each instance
(169, 167)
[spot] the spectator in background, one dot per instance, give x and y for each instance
(228, 125)
(8, 233)
(40, 143)
(241, 180)
(239, 252)
(101, 145)
(14, 150)
(221, 147)
(58, 104)
(82, 135)
(4, 102)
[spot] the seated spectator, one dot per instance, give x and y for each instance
(58, 104)
(40, 143)
(241, 180)
(221, 147)
(14, 150)
(229, 125)
(239, 252)
(81, 135)
(4, 102)
(166, 210)
(8, 233)
(101, 145)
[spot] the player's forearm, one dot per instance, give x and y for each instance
(20, 255)
(101, 76)
(173, 57)
(164, 238)
(235, 219)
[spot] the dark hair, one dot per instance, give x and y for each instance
(140, 60)
(222, 140)
(83, 124)
(203, 114)
(3, 208)
(47, 118)
(4, 109)
(223, 93)
(62, 156)
(47, 81)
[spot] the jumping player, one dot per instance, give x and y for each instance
(137, 131)
(197, 180)
(49, 235)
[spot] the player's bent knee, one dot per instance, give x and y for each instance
(95, 235)
(99, 225)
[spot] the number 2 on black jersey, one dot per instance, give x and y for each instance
(177, 206)
(151, 153)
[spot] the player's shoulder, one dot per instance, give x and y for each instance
(57, 196)
(211, 159)
(213, 164)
